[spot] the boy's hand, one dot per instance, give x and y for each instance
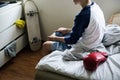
(63, 30)
(51, 37)
(56, 38)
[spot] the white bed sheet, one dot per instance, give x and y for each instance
(109, 70)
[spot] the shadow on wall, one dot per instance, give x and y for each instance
(56, 13)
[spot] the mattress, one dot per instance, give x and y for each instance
(9, 14)
(21, 42)
(41, 75)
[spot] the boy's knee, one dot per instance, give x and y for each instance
(47, 45)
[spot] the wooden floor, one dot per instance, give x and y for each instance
(22, 67)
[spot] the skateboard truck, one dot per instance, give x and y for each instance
(31, 13)
(35, 40)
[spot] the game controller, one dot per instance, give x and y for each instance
(57, 33)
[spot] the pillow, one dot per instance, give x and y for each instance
(115, 19)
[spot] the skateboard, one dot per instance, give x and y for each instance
(32, 24)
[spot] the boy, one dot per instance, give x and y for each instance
(87, 32)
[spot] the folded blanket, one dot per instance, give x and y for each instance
(68, 56)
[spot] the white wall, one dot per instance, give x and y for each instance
(56, 13)
(109, 7)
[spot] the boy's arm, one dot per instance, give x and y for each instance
(56, 38)
(64, 30)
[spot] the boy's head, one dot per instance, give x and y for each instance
(82, 2)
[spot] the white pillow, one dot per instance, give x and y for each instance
(115, 19)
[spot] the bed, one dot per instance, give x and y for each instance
(9, 32)
(54, 67)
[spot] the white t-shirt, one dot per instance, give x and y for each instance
(88, 29)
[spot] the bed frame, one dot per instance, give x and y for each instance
(41, 75)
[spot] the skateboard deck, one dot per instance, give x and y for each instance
(33, 26)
